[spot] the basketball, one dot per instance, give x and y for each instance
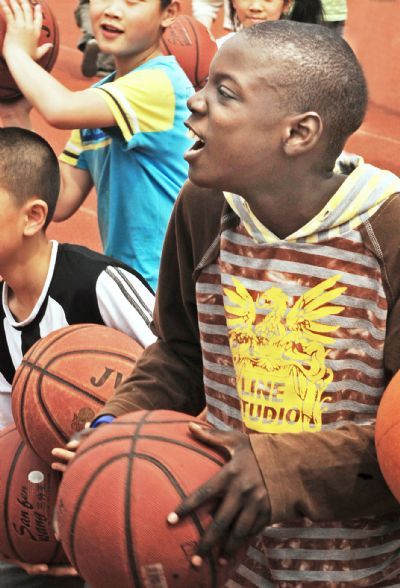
(142, 464)
(28, 489)
(192, 46)
(50, 34)
(65, 379)
(387, 435)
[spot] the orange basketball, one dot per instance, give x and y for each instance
(125, 479)
(65, 379)
(28, 490)
(387, 435)
(50, 34)
(192, 46)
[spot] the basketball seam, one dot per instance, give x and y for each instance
(193, 448)
(196, 67)
(6, 497)
(51, 340)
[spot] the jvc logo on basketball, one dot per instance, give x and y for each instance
(105, 377)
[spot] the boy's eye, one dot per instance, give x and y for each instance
(223, 91)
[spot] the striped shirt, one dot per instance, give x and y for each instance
(292, 334)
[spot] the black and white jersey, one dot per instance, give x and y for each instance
(82, 286)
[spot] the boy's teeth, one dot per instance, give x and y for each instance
(191, 134)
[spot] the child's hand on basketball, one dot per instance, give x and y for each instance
(244, 507)
(24, 25)
(41, 569)
(66, 454)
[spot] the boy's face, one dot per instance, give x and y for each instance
(250, 12)
(127, 28)
(12, 222)
(240, 120)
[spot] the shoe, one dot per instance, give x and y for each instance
(105, 65)
(89, 61)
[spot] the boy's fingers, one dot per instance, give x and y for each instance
(219, 526)
(224, 440)
(17, 12)
(60, 571)
(38, 19)
(42, 50)
(211, 489)
(26, 10)
(243, 529)
(6, 11)
(63, 453)
(59, 467)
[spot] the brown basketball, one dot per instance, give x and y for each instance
(50, 34)
(65, 379)
(126, 478)
(28, 490)
(387, 435)
(192, 46)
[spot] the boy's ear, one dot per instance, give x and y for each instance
(170, 13)
(35, 216)
(287, 5)
(302, 133)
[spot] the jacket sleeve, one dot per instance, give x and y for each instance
(169, 375)
(334, 475)
(325, 476)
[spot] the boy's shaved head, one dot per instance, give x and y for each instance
(317, 71)
(28, 167)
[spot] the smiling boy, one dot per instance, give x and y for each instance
(278, 307)
(129, 135)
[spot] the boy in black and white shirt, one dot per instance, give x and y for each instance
(47, 285)
(81, 286)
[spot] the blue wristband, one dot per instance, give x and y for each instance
(105, 418)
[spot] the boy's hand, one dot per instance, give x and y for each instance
(24, 25)
(41, 569)
(244, 508)
(67, 454)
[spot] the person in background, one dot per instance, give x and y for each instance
(335, 14)
(94, 62)
(206, 11)
(246, 13)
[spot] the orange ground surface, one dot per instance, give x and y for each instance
(373, 32)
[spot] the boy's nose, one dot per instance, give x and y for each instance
(255, 6)
(197, 103)
(113, 8)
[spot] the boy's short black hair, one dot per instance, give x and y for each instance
(318, 72)
(165, 3)
(29, 167)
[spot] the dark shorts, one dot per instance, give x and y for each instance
(15, 577)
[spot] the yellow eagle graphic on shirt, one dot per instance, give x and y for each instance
(279, 354)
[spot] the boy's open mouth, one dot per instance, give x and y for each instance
(199, 142)
(110, 28)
